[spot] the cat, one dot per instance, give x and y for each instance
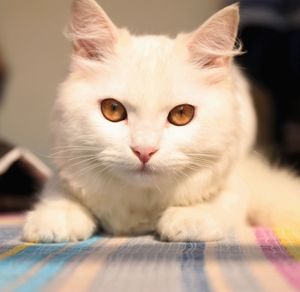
(156, 135)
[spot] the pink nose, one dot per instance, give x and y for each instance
(144, 153)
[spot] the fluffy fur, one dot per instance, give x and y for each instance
(203, 180)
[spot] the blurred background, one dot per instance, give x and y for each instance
(34, 58)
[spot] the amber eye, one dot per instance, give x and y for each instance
(113, 110)
(181, 115)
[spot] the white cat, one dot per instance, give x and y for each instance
(153, 134)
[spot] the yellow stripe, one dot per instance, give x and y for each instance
(14, 250)
(290, 239)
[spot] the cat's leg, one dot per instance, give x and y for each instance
(58, 218)
(203, 222)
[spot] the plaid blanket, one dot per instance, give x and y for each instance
(249, 260)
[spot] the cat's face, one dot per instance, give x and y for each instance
(144, 109)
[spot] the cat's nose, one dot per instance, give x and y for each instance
(144, 153)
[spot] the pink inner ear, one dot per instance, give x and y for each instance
(214, 62)
(207, 59)
(85, 49)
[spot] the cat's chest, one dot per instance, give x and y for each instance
(127, 213)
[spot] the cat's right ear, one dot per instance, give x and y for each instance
(214, 43)
(92, 32)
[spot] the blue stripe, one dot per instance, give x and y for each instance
(80, 258)
(192, 266)
(55, 265)
(15, 266)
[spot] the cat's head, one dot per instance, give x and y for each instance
(146, 109)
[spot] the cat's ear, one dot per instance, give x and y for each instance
(214, 43)
(92, 32)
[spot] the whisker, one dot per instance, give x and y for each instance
(90, 160)
(86, 170)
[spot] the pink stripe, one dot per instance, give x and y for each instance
(277, 254)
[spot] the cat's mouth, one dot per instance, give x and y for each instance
(145, 170)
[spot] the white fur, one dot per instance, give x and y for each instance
(204, 179)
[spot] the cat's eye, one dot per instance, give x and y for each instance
(113, 110)
(181, 115)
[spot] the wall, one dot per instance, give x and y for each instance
(37, 54)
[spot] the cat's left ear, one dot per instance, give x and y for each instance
(214, 43)
(92, 32)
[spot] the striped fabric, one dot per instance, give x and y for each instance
(249, 260)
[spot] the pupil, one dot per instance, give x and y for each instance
(114, 107)
(181, 111)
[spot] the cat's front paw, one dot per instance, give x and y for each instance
(58, 223)
(188, 224)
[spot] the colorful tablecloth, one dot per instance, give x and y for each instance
(249, 260)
